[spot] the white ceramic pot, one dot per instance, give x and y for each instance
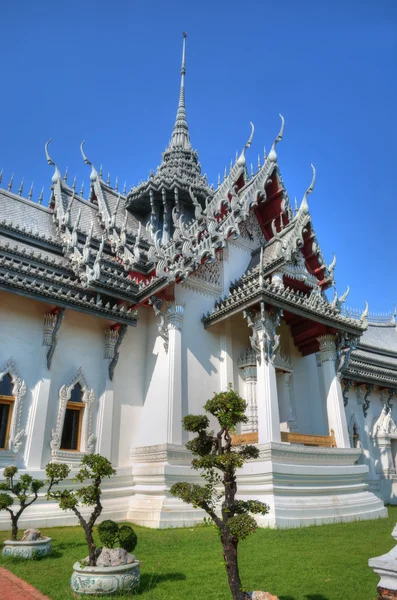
(104, 580)
(28, 549)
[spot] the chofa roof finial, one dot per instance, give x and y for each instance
(57, 175)
(94, 174)
(309, 189)
(241, 159)
(272, 154)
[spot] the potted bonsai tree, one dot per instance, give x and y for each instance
(218, 462)
(25, 492)
(89, 577)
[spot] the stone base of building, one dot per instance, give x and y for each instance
(116, 493)
(302, 486)
(155, 470)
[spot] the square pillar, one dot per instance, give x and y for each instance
(333, 391)
(265, 342)
(36, 429)
(174, 318)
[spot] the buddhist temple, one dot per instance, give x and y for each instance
(123, 311)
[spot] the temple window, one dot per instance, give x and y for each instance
(7, 401)
(355, 436)
(71, 432)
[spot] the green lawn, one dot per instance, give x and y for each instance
(327, 562)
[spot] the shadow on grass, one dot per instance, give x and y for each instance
(151, 580)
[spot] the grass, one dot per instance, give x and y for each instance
(328, 562)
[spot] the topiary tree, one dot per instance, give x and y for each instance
(96, 468)
(111, 534)
(218, 462)
(22, 490)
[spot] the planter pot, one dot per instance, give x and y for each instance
(28, 549)
(105, 580)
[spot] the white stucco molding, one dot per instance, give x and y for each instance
(291, 453)
(160, 453)
(87, 441)
(17, 433)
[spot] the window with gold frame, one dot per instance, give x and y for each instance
(72, 424)
(7, 401)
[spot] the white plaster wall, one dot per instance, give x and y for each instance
(201, 351)
(236, 261)
(80, 345)
(21, 334)
(310, 417)
(129, 390)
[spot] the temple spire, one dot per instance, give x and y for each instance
(180, 133)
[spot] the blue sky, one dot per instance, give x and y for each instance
(108, 72)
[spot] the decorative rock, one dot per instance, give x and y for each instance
(262, 596)
(31, 535)
(114, 557)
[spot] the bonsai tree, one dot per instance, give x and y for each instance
(111, 534)
(94, 467)
(25, 491)
(218, 462)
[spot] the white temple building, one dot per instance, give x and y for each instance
(120, 312)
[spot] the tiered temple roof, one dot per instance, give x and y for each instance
(110, 253)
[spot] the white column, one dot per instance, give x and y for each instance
(247, 363)
(291, 419)
(36, 429)
(175, 312)
(105, 421)
(226, 367)
(333, 391)
(265, 342)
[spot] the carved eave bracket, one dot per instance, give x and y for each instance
(369, 389)
(346, 385)
(346, 343)
(113, 339)
(52, 326)
(162, 328)
(263, 324)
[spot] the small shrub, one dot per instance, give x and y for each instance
(108, 532)
(127, 538)
(111, 535)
